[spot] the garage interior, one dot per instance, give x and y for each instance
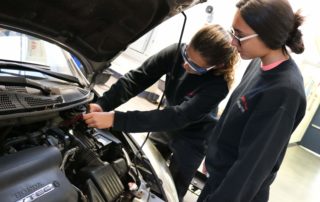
(299, 177)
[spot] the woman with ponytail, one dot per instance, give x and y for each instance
(198, 77)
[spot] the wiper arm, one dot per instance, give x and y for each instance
(21, 81)
(57, 75)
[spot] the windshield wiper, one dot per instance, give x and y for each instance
(64, 77)
(21, 81)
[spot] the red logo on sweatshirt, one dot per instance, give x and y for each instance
(242, 104)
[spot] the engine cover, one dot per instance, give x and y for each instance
(34, 174)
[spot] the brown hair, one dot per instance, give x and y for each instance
(214, 45)
(275, 22)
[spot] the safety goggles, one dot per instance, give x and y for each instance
(192, 65)
(241, 39)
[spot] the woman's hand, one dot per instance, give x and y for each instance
(99, 120)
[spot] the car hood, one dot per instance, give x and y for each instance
(96, 31)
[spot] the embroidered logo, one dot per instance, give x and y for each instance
(242, 104)
(191, 94)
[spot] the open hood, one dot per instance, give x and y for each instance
(97, 30)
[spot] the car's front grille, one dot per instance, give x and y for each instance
(33, 102)
(6, 102)
(14, 102)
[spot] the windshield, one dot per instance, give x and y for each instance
(20, 47)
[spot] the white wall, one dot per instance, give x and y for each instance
(169, 31)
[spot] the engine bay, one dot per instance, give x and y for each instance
(58, 158)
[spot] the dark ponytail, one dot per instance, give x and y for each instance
(295, 42)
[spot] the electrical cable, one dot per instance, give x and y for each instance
(140, 152)
(171, 75)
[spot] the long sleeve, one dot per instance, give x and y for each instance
(138, 80)
(191, 110)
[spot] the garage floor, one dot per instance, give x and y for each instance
(298, 179)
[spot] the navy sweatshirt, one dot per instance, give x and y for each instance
(190, 98)
(251, 137)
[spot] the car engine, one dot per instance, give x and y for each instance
(58, 158)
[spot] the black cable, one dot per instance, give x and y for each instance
(171, 74)
(159, 105)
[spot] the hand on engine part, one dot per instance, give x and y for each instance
(99, 120)
(95, 108)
